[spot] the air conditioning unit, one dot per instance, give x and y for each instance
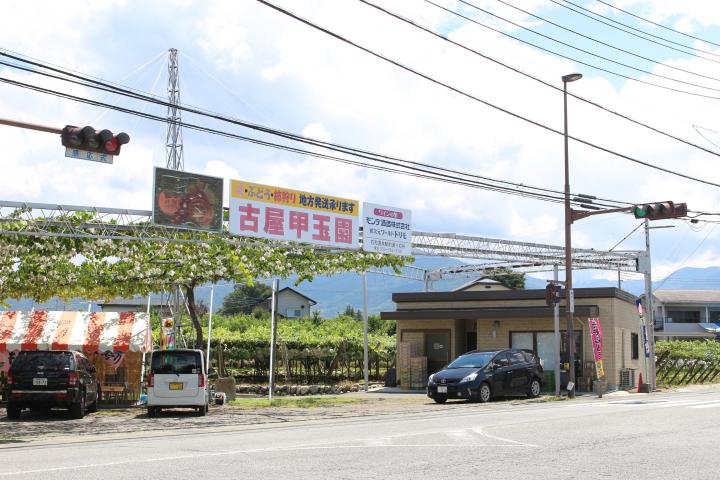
(627, 378)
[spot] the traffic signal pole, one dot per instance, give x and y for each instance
(649, 314)
(30, 126)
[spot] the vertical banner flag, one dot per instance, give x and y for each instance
(278, 213)
(643, 328)
(597, 346)
(387, 229)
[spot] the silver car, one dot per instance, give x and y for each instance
(177, 379)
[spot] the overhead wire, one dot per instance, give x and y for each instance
(537, 79)
(579, 12)
(413, 171)
(553, 39)
(478, 99)
(339, 148)
(609, 45)
(561, 55)
(657, 24)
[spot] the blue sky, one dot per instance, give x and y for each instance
(245, 60)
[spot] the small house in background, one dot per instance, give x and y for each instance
(482, 284)
(291, 303)
(136, 304)
(686, 314)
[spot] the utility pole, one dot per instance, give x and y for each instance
(556, 325)
(569, 300)
(366, 360)
(273, 334)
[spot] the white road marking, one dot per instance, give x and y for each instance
(255, 450)
(707, 405)
(480, 432)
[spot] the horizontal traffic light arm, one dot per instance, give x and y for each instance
(580, 214)
(30, 126)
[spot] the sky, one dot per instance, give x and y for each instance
(246, 60)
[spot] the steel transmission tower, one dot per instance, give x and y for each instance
(174, 142)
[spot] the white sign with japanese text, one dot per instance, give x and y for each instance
(387, 229)
(85, 155)
(278, 213)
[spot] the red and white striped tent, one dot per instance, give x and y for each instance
(82, 331)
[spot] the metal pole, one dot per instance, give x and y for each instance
(366, 368)
(649, 317)
(142, 365)
(30, 126)
(556, 314)
(210, 314)
(273, 325)
(568, 260)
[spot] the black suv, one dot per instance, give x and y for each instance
(40, 380)
(480, 375)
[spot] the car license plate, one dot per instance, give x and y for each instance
(176, 386)
(442, 389)
(40, 381)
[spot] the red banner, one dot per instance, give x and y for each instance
(597, 346)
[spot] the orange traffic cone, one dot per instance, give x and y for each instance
(640, 382)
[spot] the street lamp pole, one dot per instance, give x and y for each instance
(569, 303)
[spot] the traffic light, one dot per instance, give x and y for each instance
(87, 138)
(658, 211)
(552, 294)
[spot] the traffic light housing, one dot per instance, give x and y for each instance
(552, 294)
(660, 210)
(87, 138)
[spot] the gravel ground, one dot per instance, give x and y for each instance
(56, 423)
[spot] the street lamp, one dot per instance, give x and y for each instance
(569, 310)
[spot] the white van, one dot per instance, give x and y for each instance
(177, 379)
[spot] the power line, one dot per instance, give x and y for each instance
(560, 55)
(340, 148)
(659, 25)
(550, 22)
(478, 99)
(427, 175)
(537, 79)
(635, 34)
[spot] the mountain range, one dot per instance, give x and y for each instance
(334, 293)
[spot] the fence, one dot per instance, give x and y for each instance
(687, 362)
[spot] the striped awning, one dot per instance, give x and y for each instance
(82, 331)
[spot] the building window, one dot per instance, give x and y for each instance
(293, 313)
(635, 345)
(683, 316)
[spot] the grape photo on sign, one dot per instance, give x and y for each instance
(187, 200)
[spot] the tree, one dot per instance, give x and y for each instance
(507, 277)
(43, 267)
(244, 298)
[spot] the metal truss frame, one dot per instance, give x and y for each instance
(48, 220)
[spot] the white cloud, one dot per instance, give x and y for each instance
(305, 81)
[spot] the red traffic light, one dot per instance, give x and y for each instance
(660, 210)
(87, 138)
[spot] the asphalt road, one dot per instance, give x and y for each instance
(660, 436)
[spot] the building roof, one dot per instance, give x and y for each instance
(687, 296)
(479, 281)
(535, 294)
(489, 313)
(312, 302)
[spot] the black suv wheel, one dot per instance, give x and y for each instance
(13, 411)
(77, 410)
